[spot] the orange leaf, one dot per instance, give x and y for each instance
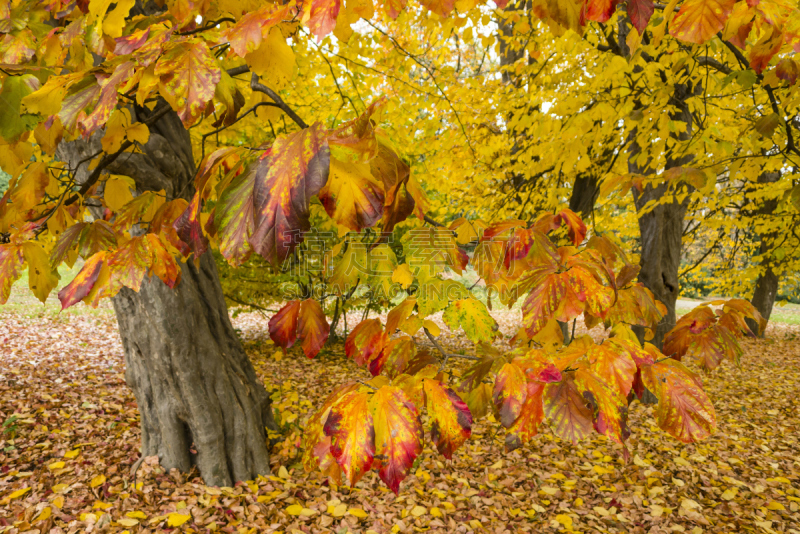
(699, 20)
(350, 427)
(451, 421)
(398, 434)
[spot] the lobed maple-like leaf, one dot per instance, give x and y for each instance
(451, 420)
(684, 410)
(350, 427)
(295, 169)
(398, 434)
(510, 391)
(471, 315)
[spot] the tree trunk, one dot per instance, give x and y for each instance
(661, 228)
(767, 283)
(764, 298)
(661, 231)
(583, 195)
(195, 387)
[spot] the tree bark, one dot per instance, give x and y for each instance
(766, 289)
(661, 228)
(195, 387)
(198, 395)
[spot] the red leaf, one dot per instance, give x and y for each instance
(510, 391)
(295, 170)
(283, 325)
(451, 421)
(640, 12)
(684, 410)
(84, 282)
(189, 228)
(313, 327)
(352, 434)
(569, 414)
(366, 341)
(531, 416)
(322, 16)
(398, 435)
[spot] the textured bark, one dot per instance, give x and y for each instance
(661, 228)
(766, 289)
(194, 385)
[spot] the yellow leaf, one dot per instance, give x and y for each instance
(56, 465)
(19, 493)
(44, 514)
(175, 519)
(565, 520)
(357, 512)
(115, 19)
(278, 356)
(58, 488)
(72, 454)
(136, 515)
(117, 192)
(99, 480)
(729, 494)
(138, 133)
(273, 60)
(128, 522)
(418, 511)
(435, 512)
(339, 510)
(283, 473)
(58, 502)
(432, 327)
(402, 275)
(775, 506)
(294, 509)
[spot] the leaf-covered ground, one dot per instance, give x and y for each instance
(71, 437)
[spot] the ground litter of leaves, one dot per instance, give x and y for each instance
(71, 437)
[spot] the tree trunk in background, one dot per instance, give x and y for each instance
(767, 283)
(661, 228)
(583, 195)
(661, 231)
(195, 387)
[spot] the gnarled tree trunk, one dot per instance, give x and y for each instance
(194, 385)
